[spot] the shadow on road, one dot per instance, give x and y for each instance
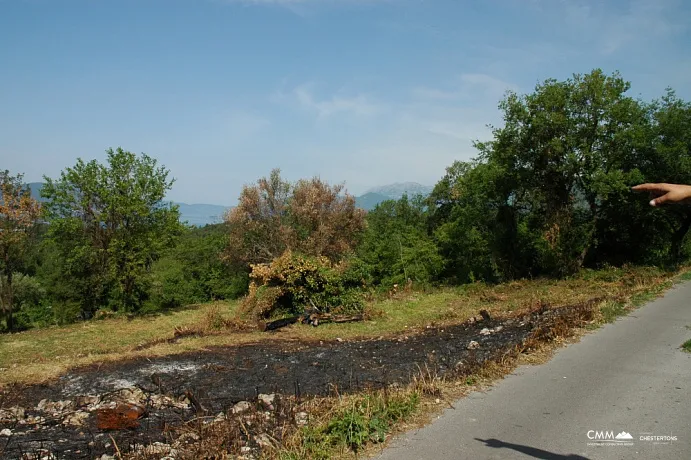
(531, 451)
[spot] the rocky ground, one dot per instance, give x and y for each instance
(250, 392)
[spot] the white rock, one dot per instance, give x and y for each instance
(301, 419)
(12, 414)
(34, 420)
(498, 328)
(242, 406)
(485, 331)
(133, 395)
(6, 432)
(267, 400)
(473, 345)
(76, 419)
(87, 400)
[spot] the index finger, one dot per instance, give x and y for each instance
(649, 188)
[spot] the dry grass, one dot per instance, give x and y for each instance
(38, 355)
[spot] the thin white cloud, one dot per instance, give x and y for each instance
(487, 83)
(338, 103)
(468, 86)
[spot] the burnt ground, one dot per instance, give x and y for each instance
(62, 417)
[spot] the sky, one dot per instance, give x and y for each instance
(366, 92)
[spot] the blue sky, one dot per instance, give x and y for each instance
(368, 92)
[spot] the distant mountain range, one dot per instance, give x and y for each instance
(194, 214)
(372, 197)
(396, 191)
(203, 214)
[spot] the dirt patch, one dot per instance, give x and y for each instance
(203, 387)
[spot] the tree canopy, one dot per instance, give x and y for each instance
(110, 222)
(310, 217)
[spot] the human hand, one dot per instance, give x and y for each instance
(666, 193)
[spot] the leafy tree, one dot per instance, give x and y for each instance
(562, 151)
(669, 160)
(31, 303)
(19, 213)
(397, 246)
(551, 191)
(310, 217)
(193, 272)
(110, 223)
(473, 224)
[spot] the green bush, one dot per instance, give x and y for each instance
(31, 304)
(397, 246)
(293, 282)
(193, 272)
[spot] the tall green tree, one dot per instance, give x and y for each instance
(110, 223)
(193, 272)
(397, 246)
(564, 149)
(670, 161)
(19, 214)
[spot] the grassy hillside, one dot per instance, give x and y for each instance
(40, 354)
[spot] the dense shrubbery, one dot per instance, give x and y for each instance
(397, 246)
(193, 271)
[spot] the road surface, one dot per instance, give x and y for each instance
(627, 377)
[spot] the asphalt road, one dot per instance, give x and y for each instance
(630, 376)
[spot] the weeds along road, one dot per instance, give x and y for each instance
(630, 377)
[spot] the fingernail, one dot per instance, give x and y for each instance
(652, 202)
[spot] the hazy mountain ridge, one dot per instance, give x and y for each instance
(194, 214)
(397, 190)
(372, 197)
(200, 214)
(369, 200)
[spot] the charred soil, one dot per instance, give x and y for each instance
(142, 406)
